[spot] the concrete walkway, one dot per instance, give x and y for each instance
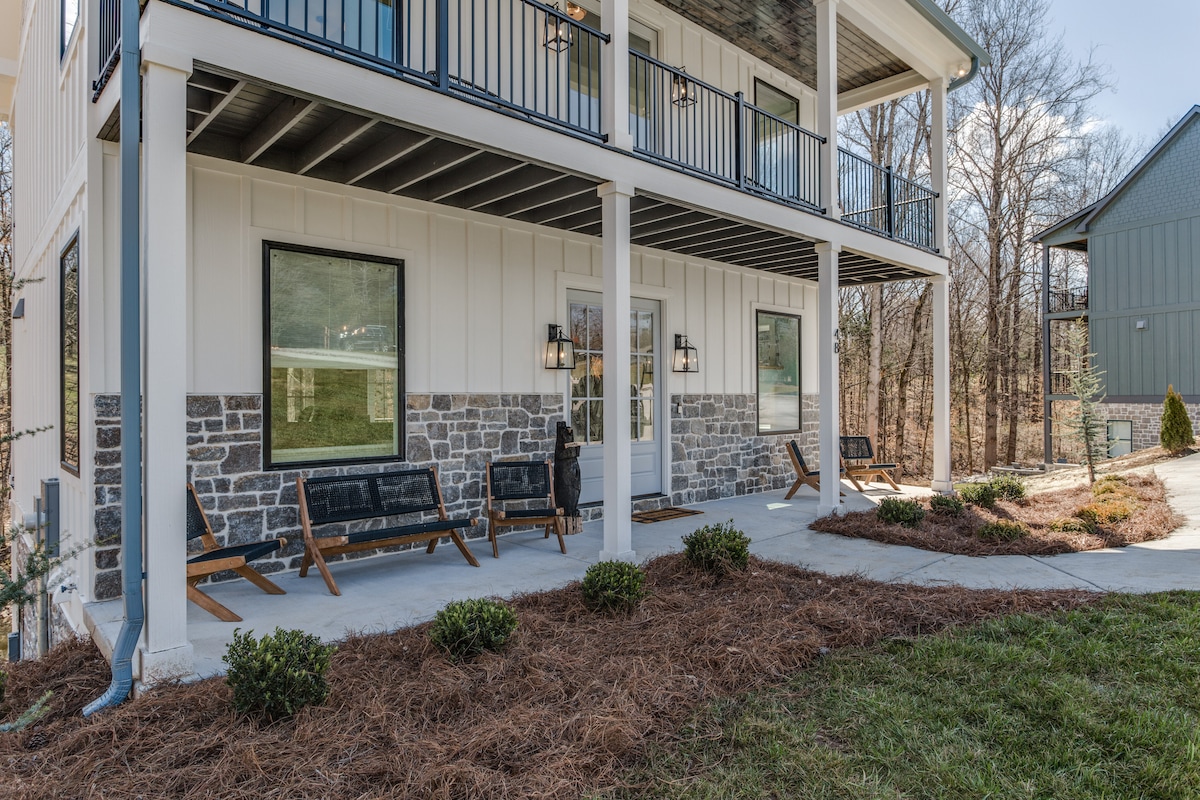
(393, 591)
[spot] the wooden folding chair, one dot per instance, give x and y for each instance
(216, 559)
(803, 476)
(858, 460)
(522, 481)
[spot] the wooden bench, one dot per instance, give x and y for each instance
(347, 498)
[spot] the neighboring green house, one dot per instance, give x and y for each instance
(1141, 301)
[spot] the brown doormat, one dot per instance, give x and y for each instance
(659, 514)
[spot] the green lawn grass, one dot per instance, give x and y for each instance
(1102, 702)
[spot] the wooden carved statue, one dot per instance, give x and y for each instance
(567, 482)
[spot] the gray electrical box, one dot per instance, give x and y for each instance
(52, 528)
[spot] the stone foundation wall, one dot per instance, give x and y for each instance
(59, 629)
(459, 433)
(1147, 420)
(716, 450)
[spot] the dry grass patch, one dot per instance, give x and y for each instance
(1124, 511)
(574, 699)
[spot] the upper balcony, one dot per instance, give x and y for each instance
(536, 62)
(1068, 300)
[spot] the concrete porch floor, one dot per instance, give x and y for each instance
(393, 591)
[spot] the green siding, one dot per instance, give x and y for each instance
(1144, 263)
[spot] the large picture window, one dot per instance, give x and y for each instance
(334, 367)
(778, 344)
(69, 356)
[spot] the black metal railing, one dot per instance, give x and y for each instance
(680, 119)
(521, 55)
(109, 33)
(782, 159)
(876, 198)
(1068, 300)
(1060, 383)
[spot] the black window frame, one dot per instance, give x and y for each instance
(65, 37)
(759, 82)
(64, 433)
(799, 375)
(401, 404)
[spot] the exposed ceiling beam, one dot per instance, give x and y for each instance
(345, 130)
(881, 91)
(565, 186)
(479, 170)
(216, 110)
(682, 236)
(432, 159)
(564, 207)
(399, 143)
(528, 177)
(281, 120)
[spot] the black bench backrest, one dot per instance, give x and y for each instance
(519, 480)
(347, 497)
(197, 524)
(857, 448)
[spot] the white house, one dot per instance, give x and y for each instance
(360, 218)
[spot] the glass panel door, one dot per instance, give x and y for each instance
(586, 393)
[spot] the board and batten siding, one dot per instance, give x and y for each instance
(48, 123)
(479, 291)
(1144, 264)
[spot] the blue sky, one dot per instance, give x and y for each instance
(1152, 48)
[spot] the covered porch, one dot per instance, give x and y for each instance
(387, 592)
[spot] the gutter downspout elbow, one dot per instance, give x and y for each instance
(965, 79)
(131, 379)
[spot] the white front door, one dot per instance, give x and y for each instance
(586, 397)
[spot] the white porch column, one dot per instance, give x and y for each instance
(618, 533)
(941, 385)
(614, 71)
(165, 648)
(937, 160)
(827, 103)
(828, 376)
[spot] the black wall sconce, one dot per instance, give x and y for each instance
(560, 350)
(683, 91)
(687, 357)
(18, 311)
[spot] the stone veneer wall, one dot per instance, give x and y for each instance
(1147, 420)
(716, 450)
(59, 629)
(458, 432)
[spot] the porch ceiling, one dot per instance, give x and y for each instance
(783, 33)
(237, 119)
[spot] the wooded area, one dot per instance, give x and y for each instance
(1023, 153)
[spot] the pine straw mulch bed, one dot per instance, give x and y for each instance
(1152, 519)
(575, 698)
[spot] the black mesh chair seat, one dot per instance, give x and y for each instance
(382, 495)
(216, 558)
(516, 481)
(437, 526)
(249, 552)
